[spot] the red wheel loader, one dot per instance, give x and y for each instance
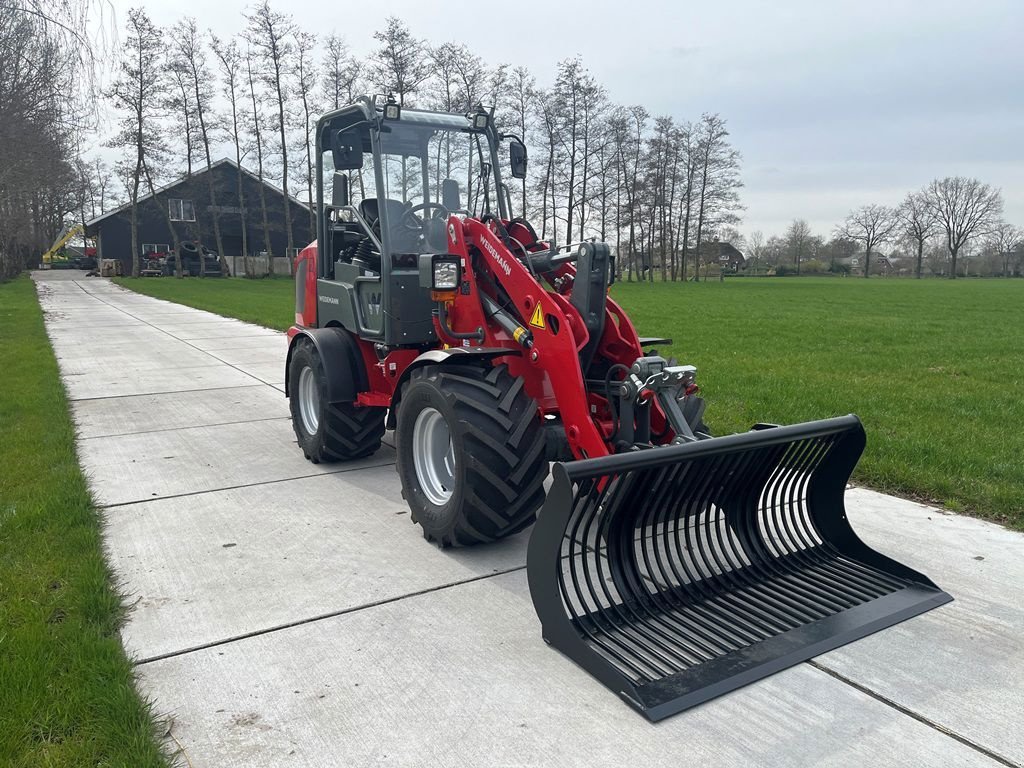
(672, 565)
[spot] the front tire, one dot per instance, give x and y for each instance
(471, 453)
(328, 432)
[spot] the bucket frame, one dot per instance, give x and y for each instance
(677, 574)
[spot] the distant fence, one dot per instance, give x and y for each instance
(258, 265)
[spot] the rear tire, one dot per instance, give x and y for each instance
(328, 432)
(471, 453)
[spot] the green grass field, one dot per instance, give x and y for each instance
(66, 687)
(934, 368)
(269, 302)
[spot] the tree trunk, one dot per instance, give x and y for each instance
(920, 257)
(290, 237)
(213, 210)
(259, 167)
(309, 163)
(217, 239)
(953, 252)
(167, 217)
(135, 237)
(867, 261)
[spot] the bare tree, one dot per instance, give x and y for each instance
(179, 104)
(191, 57)
(341, 83)
(399, 66)
(603, 202)
(444, 95)
(157, 158)
(547, 110)
(496, 93)
(341, 73)
(691, 160)
(658, 169)
(798, 242)
(964, 208)
(304, 74)
(471, 80)
(1004, 239)
(522, 94)
(270, 34)
(918, 223)
(592, 116)
(48, 102)
(257, 118)
(230, 66)
(94, 178)
(870, 225)
(103, 179)
(756, 247)
(630, 156)
(840, 249)
(138, 92)
(574, 86)
(718, 180)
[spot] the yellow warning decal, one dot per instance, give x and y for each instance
(537, 321)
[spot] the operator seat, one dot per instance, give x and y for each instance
(370, 208)
(402, 240)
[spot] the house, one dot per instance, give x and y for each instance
(887, 265)
(880, 264)
(729, 257)
(187, 203)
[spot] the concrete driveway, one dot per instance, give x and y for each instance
(286, 614)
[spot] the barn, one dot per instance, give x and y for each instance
(186, 203)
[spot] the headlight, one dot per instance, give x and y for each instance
(446, 275)
(480, 120)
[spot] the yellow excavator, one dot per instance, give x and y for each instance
(54, 254)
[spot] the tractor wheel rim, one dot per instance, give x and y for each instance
(309, 401)
(434, 456)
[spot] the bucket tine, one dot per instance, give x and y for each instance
(676, 574)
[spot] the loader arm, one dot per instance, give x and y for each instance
(557, 331)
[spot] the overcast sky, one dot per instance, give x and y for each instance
(833, 104)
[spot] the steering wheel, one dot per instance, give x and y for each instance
(414, 223)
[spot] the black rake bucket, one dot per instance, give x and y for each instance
(674, 575)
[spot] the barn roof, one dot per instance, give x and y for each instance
(183, 179)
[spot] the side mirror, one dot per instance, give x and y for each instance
(451, 199)
(347, 150)
(517, 159)
(339, 190)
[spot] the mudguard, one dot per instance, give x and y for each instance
(451, 356)
(343, 364)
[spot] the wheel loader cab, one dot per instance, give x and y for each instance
(386, 189)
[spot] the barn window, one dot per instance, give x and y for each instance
(155, 248)
(181, 210)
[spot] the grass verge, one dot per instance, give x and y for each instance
(934, 368)
(67, 695)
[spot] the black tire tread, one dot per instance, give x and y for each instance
(347, 431)
(505, 446)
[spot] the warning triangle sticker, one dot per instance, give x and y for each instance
(537, 321)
